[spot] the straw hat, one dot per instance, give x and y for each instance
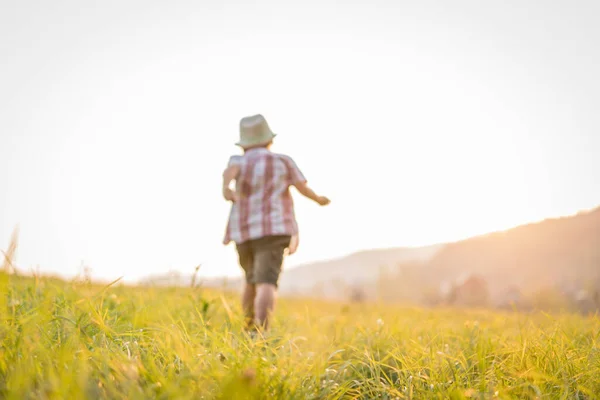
(254, 131)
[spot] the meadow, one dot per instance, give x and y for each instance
(74, 340)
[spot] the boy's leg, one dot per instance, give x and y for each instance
(264, 303)
(246, 259)
(248, 304)
(268, 259)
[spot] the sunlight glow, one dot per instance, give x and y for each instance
(422, 127)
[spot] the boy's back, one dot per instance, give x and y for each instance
(264, 205)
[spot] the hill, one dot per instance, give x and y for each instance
(332, 278)
(558, 257)
(562, 252)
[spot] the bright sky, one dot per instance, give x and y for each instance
(423, 121)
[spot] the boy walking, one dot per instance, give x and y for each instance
(262, 221)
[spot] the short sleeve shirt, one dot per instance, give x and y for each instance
(265, 206)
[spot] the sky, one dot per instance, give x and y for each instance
(423, 121)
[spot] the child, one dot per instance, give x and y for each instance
(262, 222)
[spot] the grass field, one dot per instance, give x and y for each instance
(69, 340)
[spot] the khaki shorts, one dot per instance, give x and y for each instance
(261, 259)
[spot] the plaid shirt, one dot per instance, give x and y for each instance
(265, 206)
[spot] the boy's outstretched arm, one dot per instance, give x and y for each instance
(229, 175)
(306, 191)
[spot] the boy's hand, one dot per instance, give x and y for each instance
(230, 195)
(293, 247)
(323, 201)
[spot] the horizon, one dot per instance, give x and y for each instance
(425, 123)
(141, 278)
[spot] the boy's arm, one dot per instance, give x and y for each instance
(229, 175)
(298, 180)
(306, 191)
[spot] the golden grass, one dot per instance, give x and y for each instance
(75, 340)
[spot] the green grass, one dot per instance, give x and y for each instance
(68, 340)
